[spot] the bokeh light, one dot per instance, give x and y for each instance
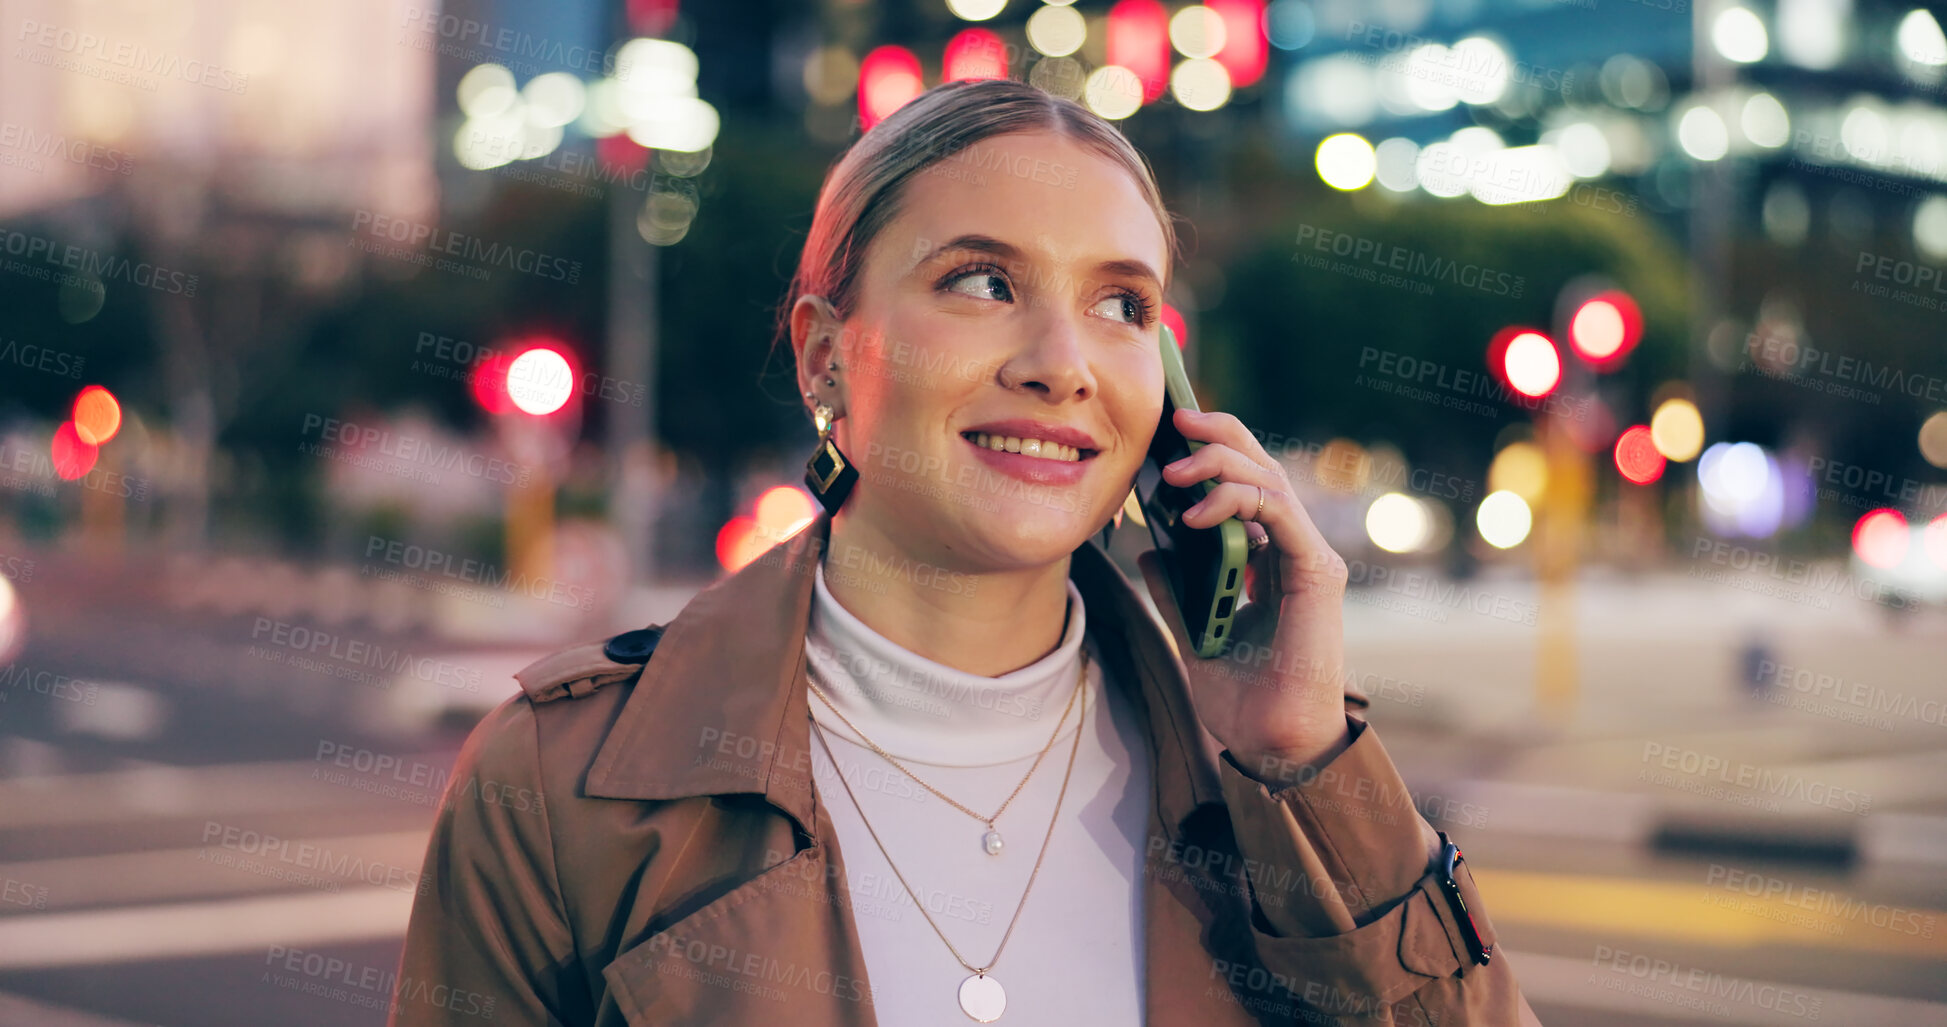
(1346, 161)
(1637, 458)
(1933, 439)
(1520, 468)
(1533, 366)
(1881, 538)
(97, 416)
(1739, 35)
(1702, 134)
(1398, 523)
(1057, 31)
(1677, 429)
(73, 456)
(1503, 520)
(540, 381)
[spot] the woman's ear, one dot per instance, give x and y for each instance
(815, 330)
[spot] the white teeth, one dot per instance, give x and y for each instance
(1028, 447)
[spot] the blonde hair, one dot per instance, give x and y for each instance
(864, 187)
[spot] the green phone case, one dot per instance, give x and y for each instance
(1206, 565)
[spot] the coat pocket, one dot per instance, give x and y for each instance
(777, 948)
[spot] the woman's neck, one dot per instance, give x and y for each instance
(988, 624)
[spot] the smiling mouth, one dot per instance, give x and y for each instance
(1053, 451)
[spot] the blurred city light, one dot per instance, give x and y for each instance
(1637, 457)
(1584, 149)
(1881, 538)
(1398, 523)
(487, 91)
(97, 415)
(1197, 31)
(1930, 227)
(1139, 41)
(1057, 31)
(1200, 84)
(540, 380)
(1289, 24)
(783, 509)
(1526, 360)
(1739, 35)
(974, 54)
(739, 542)
(1743, 489)
(73, 456)
(1812, 33)
(1677, 429)
(1346, 161)
(1503, 520)
(1765, 121)
(1933, 439)
(889, 78)
(1335, 91)
(1112, 91)
(1486, 66)
(1520, 468)
(1520, 174)
(975, 10)
(1920, 40)
(1245, 52)
(1393, 164)
(1605, 328)
(554, 99)
(1702, 134)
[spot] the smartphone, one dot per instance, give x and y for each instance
(1205, 566)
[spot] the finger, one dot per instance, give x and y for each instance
(1307, 561)
(1219, 460)
(1218, 426)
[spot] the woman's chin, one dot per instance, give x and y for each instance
(1023, 532)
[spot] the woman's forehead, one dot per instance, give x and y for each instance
(1050, 200)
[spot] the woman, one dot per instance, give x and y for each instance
(930, 759)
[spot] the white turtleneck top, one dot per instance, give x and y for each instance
(1076, 955)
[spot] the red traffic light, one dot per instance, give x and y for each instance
(1245, 49)
(975, 54)
(1525, 360)
(1637, 457)
(533, 376)
(1605, 328)
(888, 79)
(1139, 39)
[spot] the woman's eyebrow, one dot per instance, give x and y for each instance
(989, 244)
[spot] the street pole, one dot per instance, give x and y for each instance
(631, 344)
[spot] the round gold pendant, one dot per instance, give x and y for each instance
(983, 998)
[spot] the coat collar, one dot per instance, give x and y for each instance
(722, 707)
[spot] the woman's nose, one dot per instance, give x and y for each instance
(1053, 361)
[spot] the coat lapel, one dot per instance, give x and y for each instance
(722, 709)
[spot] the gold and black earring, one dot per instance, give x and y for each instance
(829, 473)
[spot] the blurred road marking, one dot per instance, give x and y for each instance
(391, 858)
(202, 928)
(118, 796)
(1712, 915)
(1592, 984)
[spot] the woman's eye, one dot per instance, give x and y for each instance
(1122, 307)
(986, 285)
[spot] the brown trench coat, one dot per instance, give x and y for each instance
(641, 843)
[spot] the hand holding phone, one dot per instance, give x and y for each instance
(1205, 565)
